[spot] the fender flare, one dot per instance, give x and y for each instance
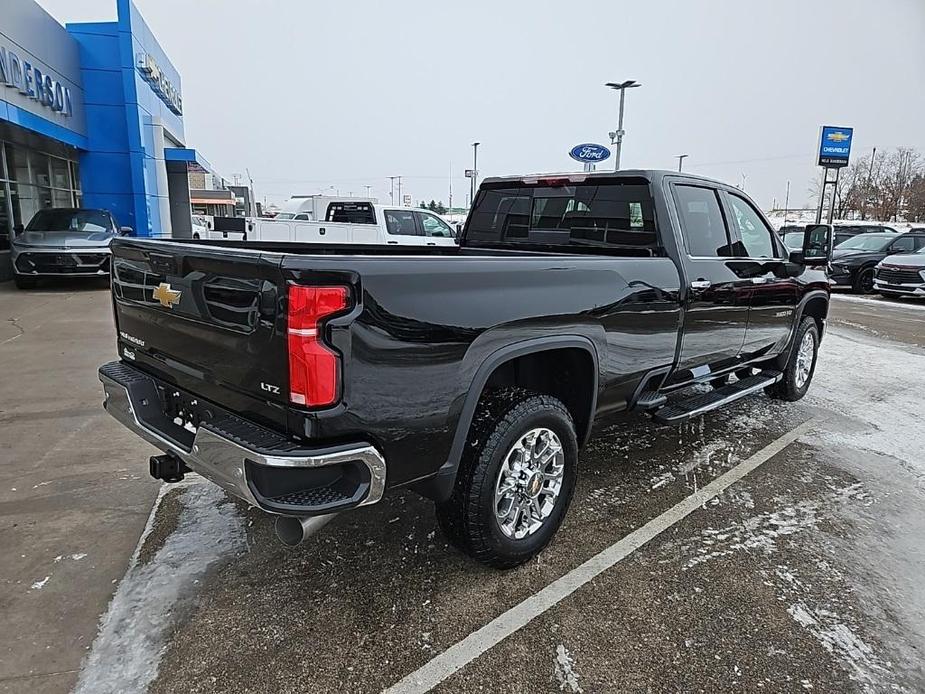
(440, 486)
(783, 358)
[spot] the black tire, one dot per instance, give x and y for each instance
(468, 517)
(789, 388)
(864, 282)
(24, 282)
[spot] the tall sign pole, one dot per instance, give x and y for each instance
(833, 152)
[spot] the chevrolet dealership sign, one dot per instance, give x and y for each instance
(162, 86)
(31, 82)
(834, 146)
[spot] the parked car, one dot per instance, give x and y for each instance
(792, 235)
(843, 232)
(201, 225)
(854, 261)
(309, 381)
(902, 275)
(352, 222)
(63, 242)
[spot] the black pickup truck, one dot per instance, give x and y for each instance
(308, 380)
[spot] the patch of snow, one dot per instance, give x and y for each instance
(565, 671)
(38, 585)
(911, 304)
(882, 381)
(839, 640)
(758, 533)
(133, 634)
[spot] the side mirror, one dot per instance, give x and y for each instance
(126, 231)
(18, 229)
(817, 244)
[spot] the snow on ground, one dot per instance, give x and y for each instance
(880, 382)
(133, 634)
(913, 304)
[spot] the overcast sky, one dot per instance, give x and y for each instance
(345, 94)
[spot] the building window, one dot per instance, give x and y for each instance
(31, 180)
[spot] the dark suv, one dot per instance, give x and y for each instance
(854, 260)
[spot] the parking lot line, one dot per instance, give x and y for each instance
(462, 653)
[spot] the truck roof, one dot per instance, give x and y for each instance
(652, 175)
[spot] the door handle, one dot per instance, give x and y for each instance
(391, 241)
(701, 284)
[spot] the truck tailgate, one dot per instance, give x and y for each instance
(206, 319)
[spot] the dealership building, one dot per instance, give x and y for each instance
(91, 115)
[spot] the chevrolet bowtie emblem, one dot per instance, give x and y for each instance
(166, 296)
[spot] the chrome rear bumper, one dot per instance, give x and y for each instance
(227, 461)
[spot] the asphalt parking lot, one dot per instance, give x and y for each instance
(804, 573)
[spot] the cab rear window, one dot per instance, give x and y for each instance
(606, 215)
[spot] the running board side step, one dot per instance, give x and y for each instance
(705, 402)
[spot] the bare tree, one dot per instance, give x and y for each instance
(899, 170)
(915, 199)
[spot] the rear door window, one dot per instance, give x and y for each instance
(702, 223)
(400, 223)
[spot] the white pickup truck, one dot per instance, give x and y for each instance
(350, 223)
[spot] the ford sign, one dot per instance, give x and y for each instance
(589, 153)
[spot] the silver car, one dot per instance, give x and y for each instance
(63, 242)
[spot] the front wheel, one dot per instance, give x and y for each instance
(864, 283)
(515, 480)
(801, 366)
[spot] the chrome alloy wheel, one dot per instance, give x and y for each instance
(804, 359)
(529, 483)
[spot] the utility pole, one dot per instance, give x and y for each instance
(392, 189)
(870, 180)
(253, 200)
(400, 201)
(681, 158)
(450, 204)
(616, 137)
(744, 180)
(475, 172)
(787, 202)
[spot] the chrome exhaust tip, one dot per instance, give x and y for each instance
(294, 530)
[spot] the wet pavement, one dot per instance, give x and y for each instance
(808, 574)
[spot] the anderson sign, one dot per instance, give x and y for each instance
(30, 81)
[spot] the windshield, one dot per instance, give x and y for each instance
(89, 221)
(866, 242)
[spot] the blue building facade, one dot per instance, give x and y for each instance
(91, 115)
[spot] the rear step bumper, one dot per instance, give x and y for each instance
(260, 466)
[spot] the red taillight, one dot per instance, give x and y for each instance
(313, 366)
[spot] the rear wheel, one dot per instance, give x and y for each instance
(801, 366)
(515, 480)
(864, 282)
(24, 282)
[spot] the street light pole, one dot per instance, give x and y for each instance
(617, 137)
(392, 189)
(681, 158)
(475, 172)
